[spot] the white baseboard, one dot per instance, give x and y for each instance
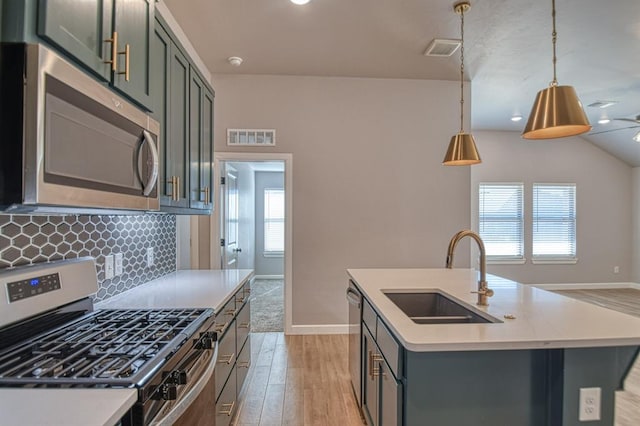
(268, 277)
(319, 329)
(585, 286)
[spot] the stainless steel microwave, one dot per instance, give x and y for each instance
(67, 142)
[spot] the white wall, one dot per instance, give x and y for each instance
(635, 209)
(603, 198)
(369, 189)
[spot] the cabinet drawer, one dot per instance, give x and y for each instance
(226, 405)
(369, 317)
(389, 347)
(243, 364)
(226, 358)
(225, 316)
(243, 325)
(242, 295)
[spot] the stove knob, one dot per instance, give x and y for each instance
(169, 392)
(179, 377)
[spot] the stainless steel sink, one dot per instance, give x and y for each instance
(436, 308)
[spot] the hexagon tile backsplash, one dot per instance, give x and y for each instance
(33, 239)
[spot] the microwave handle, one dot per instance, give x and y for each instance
(153, 179)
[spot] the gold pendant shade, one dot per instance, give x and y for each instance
(462, 151)
(556, 113)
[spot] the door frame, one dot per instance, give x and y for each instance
(251, 157)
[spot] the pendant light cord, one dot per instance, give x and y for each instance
(462, 70)
(554, 37)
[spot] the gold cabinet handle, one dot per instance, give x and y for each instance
(229, 408)
(206, 194)
(114, 51)
(374, 371)
(125, 52)
(175, 191)
(229, 359)
(244, 364)
(244, 325)
(219, 327)
(230, 312)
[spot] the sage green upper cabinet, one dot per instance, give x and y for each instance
(133, 22)
(110, 37)
(183, 104)
(79, 28)
(170, 101)
(200, 143)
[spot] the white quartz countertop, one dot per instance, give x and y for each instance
(542, 319)
(64, 407)
(182, 289)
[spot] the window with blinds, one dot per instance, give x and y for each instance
(273, 221)
(554, 222)
(501, 220)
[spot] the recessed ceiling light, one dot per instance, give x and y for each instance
(516, 117)
(300, 2)
(637, 137)
(602, 104)
(604, 121)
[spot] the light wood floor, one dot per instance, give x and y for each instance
(626, 300)
(298, 380)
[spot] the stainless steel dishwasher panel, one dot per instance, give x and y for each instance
(354, 297)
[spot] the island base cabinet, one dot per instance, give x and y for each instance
(243, 364)
(382, 393)
(511, 387)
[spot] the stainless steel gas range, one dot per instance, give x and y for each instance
(51, 337)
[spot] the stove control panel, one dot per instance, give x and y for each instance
(34, 286)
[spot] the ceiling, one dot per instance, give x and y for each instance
(507, 50)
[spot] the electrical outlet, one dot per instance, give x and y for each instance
(589, 404)
(150, 257)
(119, 260)
(616, 269)
(108, 267)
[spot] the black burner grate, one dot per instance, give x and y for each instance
(106, 347)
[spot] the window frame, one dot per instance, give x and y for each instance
(517, 259)
(554, 258)
(266, 220)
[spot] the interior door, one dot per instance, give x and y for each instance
(231, 217)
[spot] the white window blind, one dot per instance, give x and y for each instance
(501, 220)
(273, 220)
(554, 221)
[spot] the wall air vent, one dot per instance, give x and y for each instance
(251, 137)
(442, 47)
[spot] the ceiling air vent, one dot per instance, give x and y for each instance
(442, 47)
(251, 137)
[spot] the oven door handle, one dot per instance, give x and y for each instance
(190, 396)
(155, 164)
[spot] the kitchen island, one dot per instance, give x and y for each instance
(526, 367)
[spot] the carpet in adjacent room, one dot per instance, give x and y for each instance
(267, 306)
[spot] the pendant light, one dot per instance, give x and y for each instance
(462, 148)
(557, 111)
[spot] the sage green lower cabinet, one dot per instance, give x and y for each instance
(531, 387)
(233, 323)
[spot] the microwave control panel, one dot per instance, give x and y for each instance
(33, 286)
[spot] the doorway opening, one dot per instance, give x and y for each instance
(254, 227)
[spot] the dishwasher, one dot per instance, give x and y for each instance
(355, 341)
